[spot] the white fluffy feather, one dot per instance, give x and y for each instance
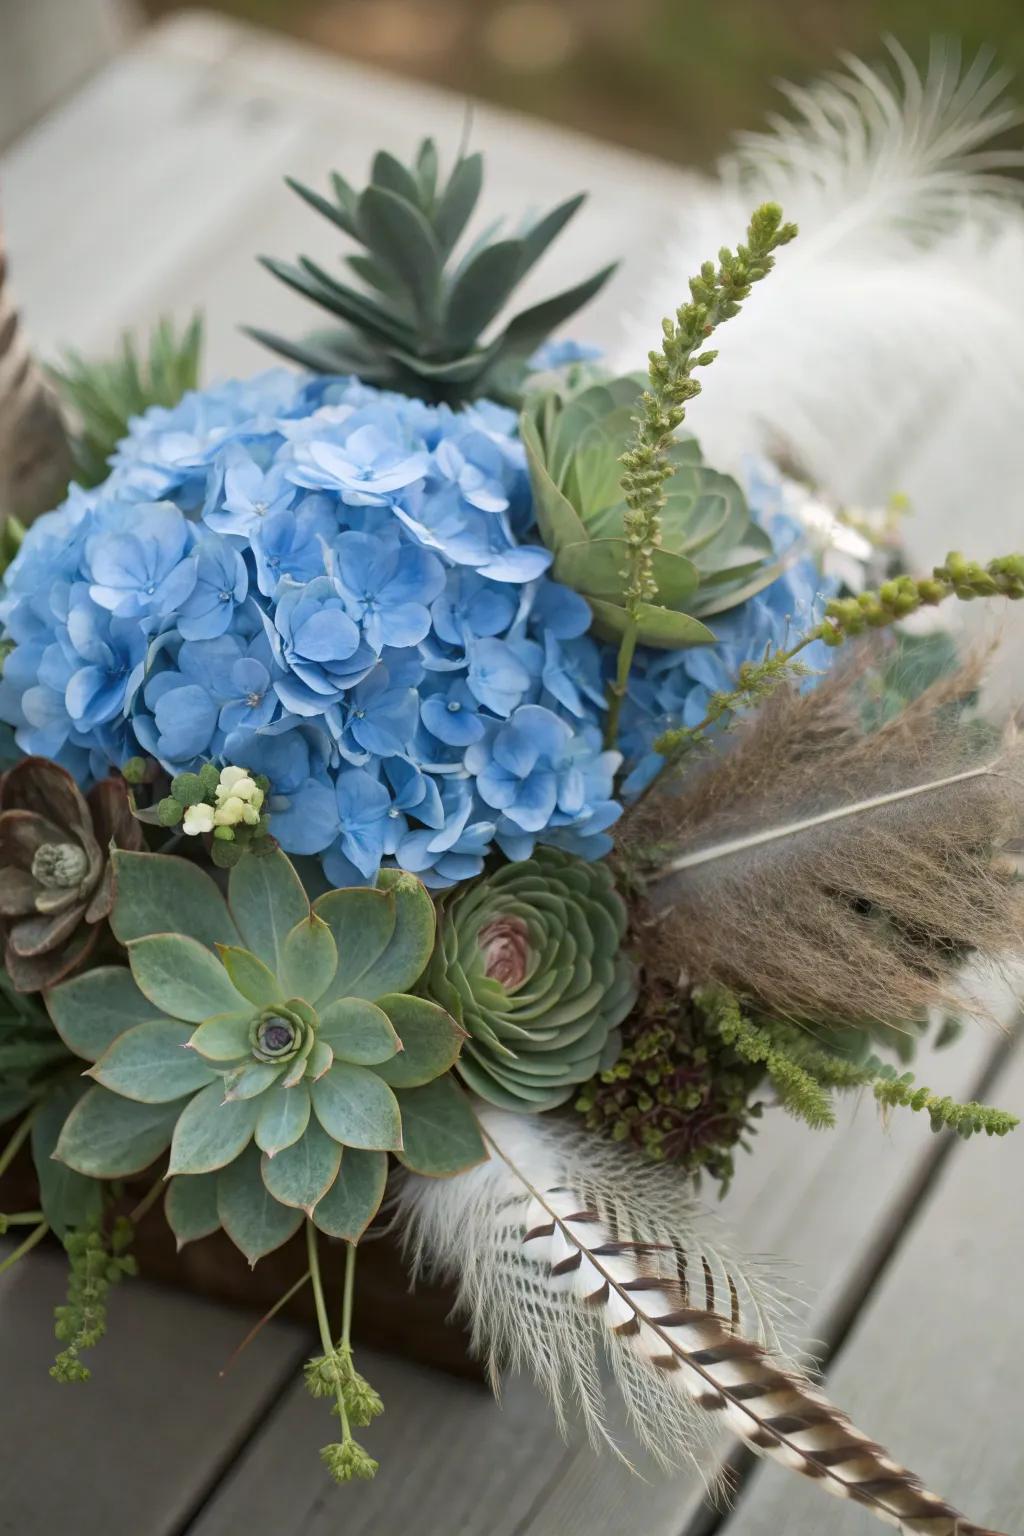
(886, 351)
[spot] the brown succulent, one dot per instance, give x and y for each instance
(56, 878)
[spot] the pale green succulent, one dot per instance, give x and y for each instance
(529, 961)
(274, 1047)
(711, 555)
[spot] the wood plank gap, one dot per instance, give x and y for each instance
(866, 1275)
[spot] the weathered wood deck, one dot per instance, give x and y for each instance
(151, 191)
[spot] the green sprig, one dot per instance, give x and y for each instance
(332, 1374)
(944, 1113)
(96, 1263)
(716, 295)
(846, 617)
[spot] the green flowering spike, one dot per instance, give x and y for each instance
(416, 321)
(256, 1039)
(529, 961)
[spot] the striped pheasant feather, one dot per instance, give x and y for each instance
(562, 1251)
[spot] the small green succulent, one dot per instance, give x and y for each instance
(416, 320)
(273, 1046)
(529, 960)
(711, 556)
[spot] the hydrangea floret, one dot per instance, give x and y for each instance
(273, 1047)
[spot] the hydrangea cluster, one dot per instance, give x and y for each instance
(335, 587)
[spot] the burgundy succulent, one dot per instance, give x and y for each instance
(56, 878)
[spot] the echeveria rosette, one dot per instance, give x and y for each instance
(274, 1047)
(529, 960)
(56, 879)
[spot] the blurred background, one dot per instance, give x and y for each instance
(674, 78)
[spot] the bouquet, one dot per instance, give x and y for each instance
(432, 789)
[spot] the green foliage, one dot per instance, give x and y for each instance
(261, 1038)
(103, 397)
(804, 1070)
(651, 537)
(97, 1262)
(416, 321)
(30, 1053)
(846, 617)
(676, 1092)
(529, 961)
(223, 805)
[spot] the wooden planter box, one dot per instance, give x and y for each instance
(388, 1315)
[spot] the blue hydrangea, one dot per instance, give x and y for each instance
(342, 589)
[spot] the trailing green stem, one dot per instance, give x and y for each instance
(16, 1143)
(34, 1238)
(323, 1322)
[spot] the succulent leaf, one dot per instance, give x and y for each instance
(168, 895)
(91, 1010)
(430, 1041)
(68, 1198)
(267, 899)
(181, 977)
(359, 1032)
(441, 1134)
(357, 1107)
(309, 961)
(191, 1207)
(301, 1173)
(211, 1131)
(284, 1115)
(149, 1063)
(110, 1137)
(249, 976)
(419, 327)
(354, 1198)
(254, 1220)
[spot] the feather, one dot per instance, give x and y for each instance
(873, 354)
(807, 835)
(565, 1246)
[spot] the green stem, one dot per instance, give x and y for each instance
(30, 1242)
(323, 1322)
(148, 1201)
(23, 1219)
(16, 1143)
(349, 1294)
(617, 689)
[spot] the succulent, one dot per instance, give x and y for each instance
(103, 397)
(712, 554)
(417, 319)
(305, 1059)
(56, 877)
(529, 961)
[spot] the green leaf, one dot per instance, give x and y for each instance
(300, 1174)
(392, 174)
(250, 976)
(355, 1107)
(110, 1138)
(481, 290)
(530, 327)
(383, 946)
(190, 1207)
(358, 1031)
(660, 627)
(250, 1079)
(159, 893)
(181, 977)
(457, 201)
(150, 1063)
(354, 1198)
(255, 1222)
(210, 1133)
(430, 1041)
(224, 1038)
(68, 1198)
(439, 1130)
(267, 899)
(90, 1011)
(340, 215)
(559, 522)
(362, 923)
(309, 960)
(284, 1115)
(398, 235)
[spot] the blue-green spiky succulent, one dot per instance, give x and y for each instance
(273, 1046)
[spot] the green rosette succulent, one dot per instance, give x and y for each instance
(711, 556)
(273, 1046)
(529, 961)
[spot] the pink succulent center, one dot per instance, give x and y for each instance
(505, 946)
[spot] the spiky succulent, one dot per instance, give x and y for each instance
(417, 321)
(711, 554)
(102, 397)
(56, 880)
(273, 1046)
(529, 961)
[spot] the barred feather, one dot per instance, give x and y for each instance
(564, 1246)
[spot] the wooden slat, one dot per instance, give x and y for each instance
(932, 1368)
(131, 1452)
